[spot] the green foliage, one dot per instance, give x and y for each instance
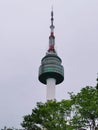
(50, 115)
(79, 111)
(86, 106)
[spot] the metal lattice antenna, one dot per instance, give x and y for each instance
(52, 37)
(52, 19)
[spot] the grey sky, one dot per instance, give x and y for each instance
(24, 32)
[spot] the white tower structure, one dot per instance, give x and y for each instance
(51, 72)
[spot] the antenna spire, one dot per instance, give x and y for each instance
(52, 37)
(52, 19)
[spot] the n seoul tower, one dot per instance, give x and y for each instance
(51, 72)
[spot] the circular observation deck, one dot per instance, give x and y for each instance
(51, 68)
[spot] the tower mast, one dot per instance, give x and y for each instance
(51, 37)
(51, 72)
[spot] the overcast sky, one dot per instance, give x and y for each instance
(24, 33)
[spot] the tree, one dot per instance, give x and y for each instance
(77, 113)
(50, 115)
(86, 107)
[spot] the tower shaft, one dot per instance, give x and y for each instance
(51, 82)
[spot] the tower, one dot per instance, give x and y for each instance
(51, 72)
